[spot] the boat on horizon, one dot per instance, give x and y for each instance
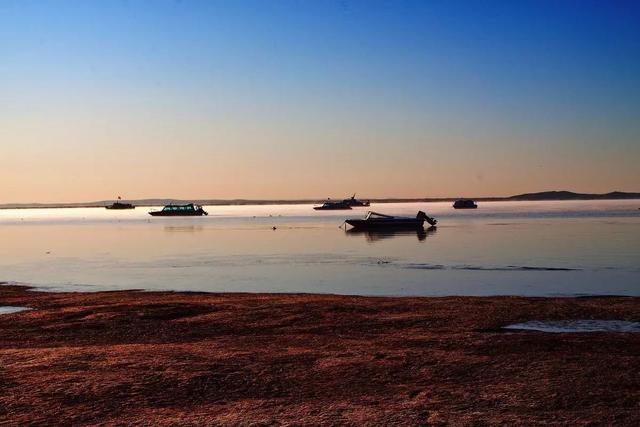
(465, 204)
(378, 221)
(180, 210)
(332, 206)
(118, 205)
(352, 201)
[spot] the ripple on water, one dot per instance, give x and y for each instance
(577, 326)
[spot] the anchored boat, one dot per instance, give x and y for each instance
(464, 204)
(355, 202)
(378, 221)
(332, 206)
(180, 210)
(118, 204)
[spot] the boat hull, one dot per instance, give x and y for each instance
(162, 213)
(386, 224)
(119, 208)
(332, 208)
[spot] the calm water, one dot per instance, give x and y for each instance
(520, 248)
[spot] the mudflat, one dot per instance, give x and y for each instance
(165, 358)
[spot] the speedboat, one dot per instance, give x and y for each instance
(464, 204)
(332, 206)
(355, 202)
(180, 210)
(378, 221)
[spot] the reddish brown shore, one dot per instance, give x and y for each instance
(244, 359)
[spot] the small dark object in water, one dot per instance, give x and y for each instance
(464, 204)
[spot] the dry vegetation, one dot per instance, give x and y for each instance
(243, 359)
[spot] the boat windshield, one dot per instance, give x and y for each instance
(376, 214)
(178, 208)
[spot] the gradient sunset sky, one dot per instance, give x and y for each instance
(313, 99)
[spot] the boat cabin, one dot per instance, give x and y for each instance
(180, 208)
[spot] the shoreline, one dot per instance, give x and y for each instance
(56, 289)
(529, 197)
(242, 358)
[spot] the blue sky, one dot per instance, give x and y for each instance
(305, 99)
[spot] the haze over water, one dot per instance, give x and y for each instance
(516, 248)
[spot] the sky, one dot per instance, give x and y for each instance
(313, 99)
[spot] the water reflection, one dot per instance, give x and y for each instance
(503, 248)
(373, 236)
(182, 228)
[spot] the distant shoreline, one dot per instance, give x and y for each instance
(541, 196)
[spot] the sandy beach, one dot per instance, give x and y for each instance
(244, 359)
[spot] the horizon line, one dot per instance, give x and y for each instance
(250, 201)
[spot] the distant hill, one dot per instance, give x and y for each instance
(569, 195)
(545, 195)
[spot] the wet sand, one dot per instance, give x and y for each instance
(240, 359)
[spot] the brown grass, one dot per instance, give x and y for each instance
(252, 359)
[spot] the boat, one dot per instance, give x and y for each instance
(120, 205)
(352, 201)
(180, 210)
(464, 204)
(332, 206)
(378, 221)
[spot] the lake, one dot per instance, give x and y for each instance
(502, 248)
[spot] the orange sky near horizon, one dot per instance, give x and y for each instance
(308, 100)
(75, 160)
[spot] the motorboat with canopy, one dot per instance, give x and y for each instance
(375, 220)
(180, 210)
